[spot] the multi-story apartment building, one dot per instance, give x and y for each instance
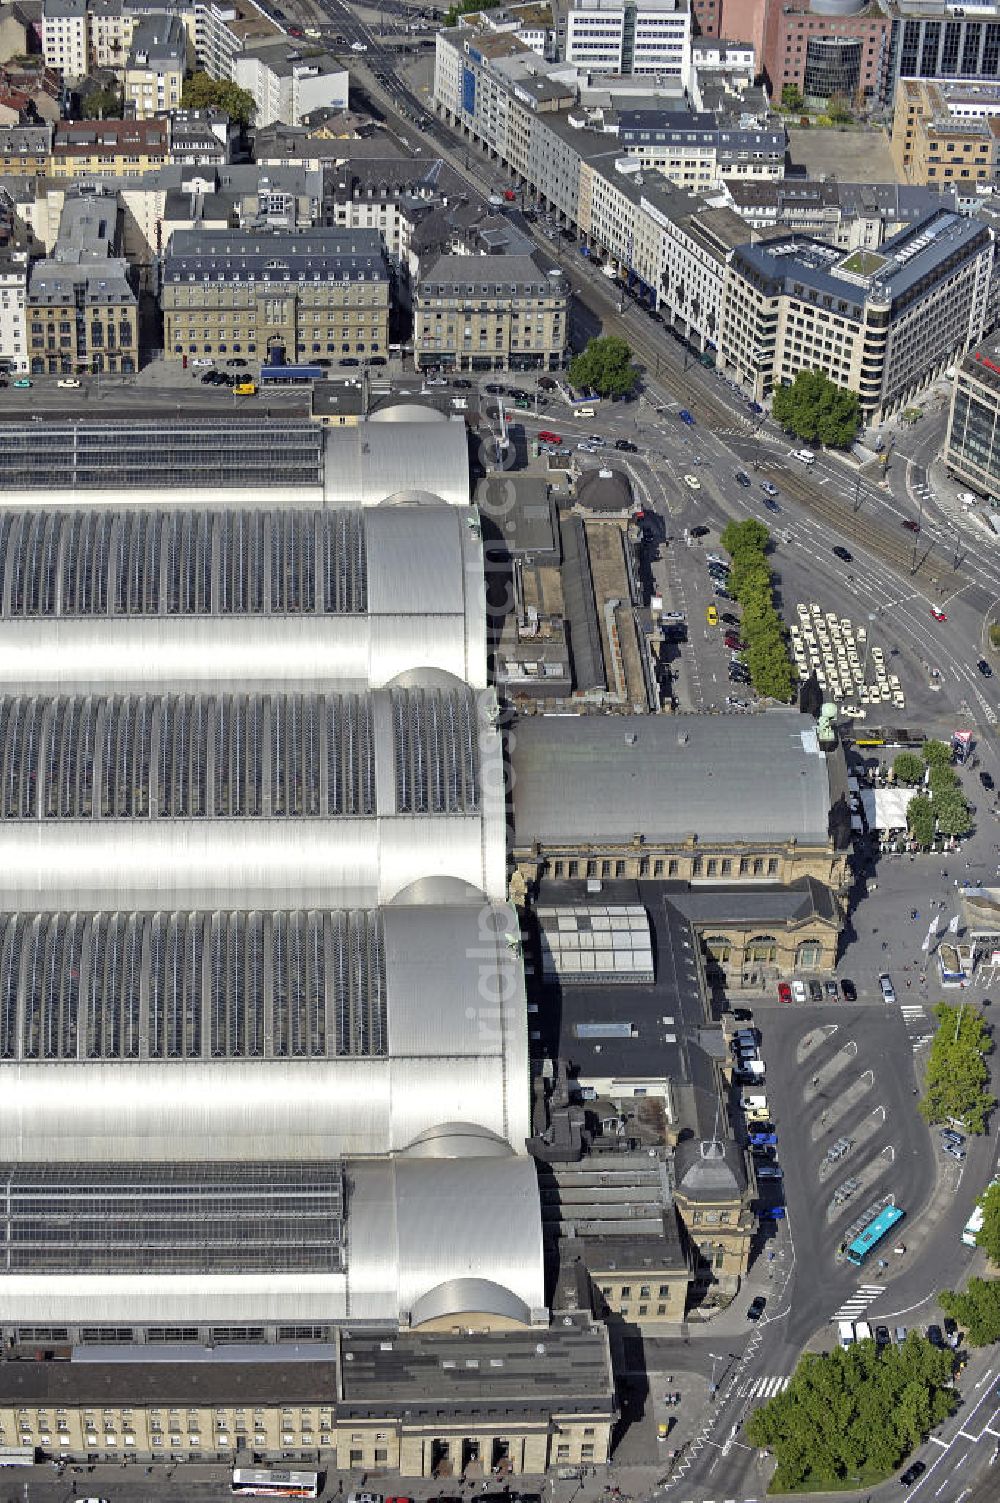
(278, 295)
(154, 70)
(25, 150)
(287, 85)
(111, 24)
(64, 36)
(882, 323)
(972, 447)
(225, 29)
(109, 148)
(81, 309)
(13, 297)
(490, 313)
(946, 133)
(629, 36)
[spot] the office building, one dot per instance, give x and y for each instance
(946, 134)
(726, 819)
(629, 36)
(972, 447)
(883, 323)
(435, 1404)
(824, 48)
(287, 85)
(155, 66)
(275, 295)
(482, 313)
(936, 41)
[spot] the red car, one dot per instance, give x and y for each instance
(911, 526)
(784, 992)
(548, 438)
(734, 643)
(938, 613)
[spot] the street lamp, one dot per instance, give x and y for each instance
(715, 1358)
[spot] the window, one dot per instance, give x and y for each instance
(718, 947)
(763, 947)
(808, 955)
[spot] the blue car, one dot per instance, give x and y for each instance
(686, 417)
(772, 1213)
(763, 1140)
(755, 408)
(771, 504)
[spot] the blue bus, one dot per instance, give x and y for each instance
(873, 1234)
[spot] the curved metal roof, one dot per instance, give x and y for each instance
(254, 1035)
(378, 459)
(137, 599)
(400, 1210)
(423, 1241)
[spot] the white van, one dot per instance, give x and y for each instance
(845, 1333)
(804, 456)
(862, 1331)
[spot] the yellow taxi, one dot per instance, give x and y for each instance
(712, 616)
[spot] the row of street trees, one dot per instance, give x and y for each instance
(957, 1075)
(943, 809)
(752, 584)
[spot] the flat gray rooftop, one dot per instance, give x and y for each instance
(596, 779)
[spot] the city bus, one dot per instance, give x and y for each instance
(275, 1483)
(876, 1230)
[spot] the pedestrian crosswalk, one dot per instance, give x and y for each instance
(911, 1011)
(762, 1388)
(855, 1307)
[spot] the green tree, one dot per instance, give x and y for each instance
(952, 812)
(739, 538)
(853, 1416)
(105, 103)
(467, 8)
(988, 1236)
(816, 408)
(956, 1073)
(920, 820)
(936, 753)
(201, 93)
(976, 1308)
(908, 769)
(605, 366)
(839, 110)
(791, 98)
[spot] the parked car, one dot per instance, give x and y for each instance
(848, 990)
(986, 780)
(935, 1336)
(949, 1135)
(22, 383)
(815, 992)
(742, 1014)
(886, 987)
(953, 1151)
(799, 991)
(830, 987)
(882, 1337)
(784, 992)
(757, 1305)
(67, 382)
